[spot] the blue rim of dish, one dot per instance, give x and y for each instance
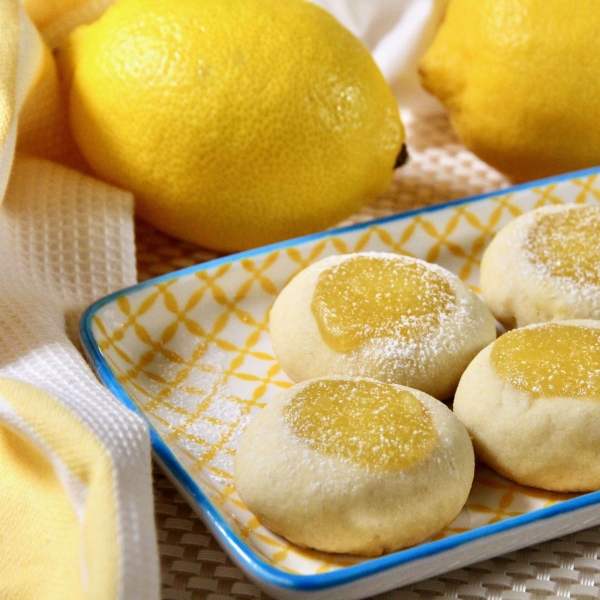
(248, 558)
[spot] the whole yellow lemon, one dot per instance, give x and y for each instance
(236, 123)
(520, 80)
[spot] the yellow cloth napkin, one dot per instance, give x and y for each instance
(76, 510)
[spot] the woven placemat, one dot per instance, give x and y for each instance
(193, 565)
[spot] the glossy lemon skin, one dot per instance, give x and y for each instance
(519, 78)
(236, 123)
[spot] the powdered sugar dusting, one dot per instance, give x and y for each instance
(371, 295)
(330, 415)
(441, 334)
(563, 244)
(551, 359)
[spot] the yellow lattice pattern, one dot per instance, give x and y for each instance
(193, 351)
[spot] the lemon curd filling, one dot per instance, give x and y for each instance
(565, 244)
(331, 415)
(551, 360)
(366, 297)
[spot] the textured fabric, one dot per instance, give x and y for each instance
(76, 512)
(59, 517)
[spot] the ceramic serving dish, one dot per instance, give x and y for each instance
(190, 351)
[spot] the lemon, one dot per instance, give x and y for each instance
(520, 80)
(235, 123)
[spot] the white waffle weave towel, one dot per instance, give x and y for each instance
(76, 515)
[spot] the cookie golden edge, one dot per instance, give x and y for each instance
(303, 354)
(329, 504)
(549, 443)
